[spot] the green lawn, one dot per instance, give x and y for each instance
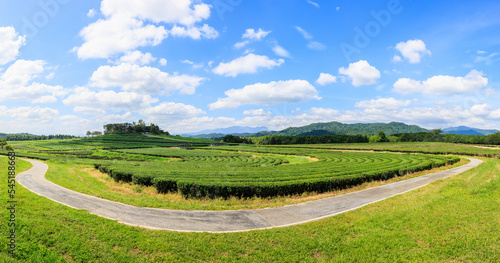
(452, 220)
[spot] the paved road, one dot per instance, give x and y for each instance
(223, 221)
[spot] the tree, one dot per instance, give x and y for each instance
(235, 139)
(380, 137)
(88, 133)
(437, 131)
(155, 129)
(9, 148)
(3, 142)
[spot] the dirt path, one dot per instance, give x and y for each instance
(223, 221)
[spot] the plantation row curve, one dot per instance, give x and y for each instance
(226, 172)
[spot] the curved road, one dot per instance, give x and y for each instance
(223, 221)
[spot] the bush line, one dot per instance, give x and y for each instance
(201, 189)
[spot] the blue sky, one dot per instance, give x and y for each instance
(68, 66)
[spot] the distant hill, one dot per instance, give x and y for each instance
(464, 130)
(337, 128)
(327, 128)
(234, 130)
(220, 135)
(317, 133)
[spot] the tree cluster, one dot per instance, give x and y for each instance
(4, 145)
(380, 137)
(31, 137)
(437, 136)
(94, 133)
(139, 127)
(236, 139)
(311, 139)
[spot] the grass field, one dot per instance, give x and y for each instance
(451, 220)
(448, 221)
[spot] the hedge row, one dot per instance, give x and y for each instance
(212, 189)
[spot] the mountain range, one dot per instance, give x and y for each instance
(328, 128)
(464, 130)
(224, 131)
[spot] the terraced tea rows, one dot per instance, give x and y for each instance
(217, 173)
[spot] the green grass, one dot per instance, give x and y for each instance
(451, 220)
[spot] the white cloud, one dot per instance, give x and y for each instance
(193, 65)
(163, 62)
(488, 60)
(50, 76)
(315, 45)
(10, 43)
(274, 92)
(304, 33)
(251, 34)
(250, 63)
(136, 57)
(489, 92)
(118, 34)
(147, 80)
(257, 112)
(16, 83)
(91, 13)
(183, 12)
(32, 114)
(280, 51)
(170, 111)
(89, 110)
(440, 102)
(412, 50)
(443, 85)
(127, 25)
(241, 44)
(116, 118)
(45, 99)
(316, 114)
(361, 73)
(397, 58)
(82, 98)
(481, 109)
(325, 78)
(383, 103)
(195, 32)
(313, 3)
(428, 117)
